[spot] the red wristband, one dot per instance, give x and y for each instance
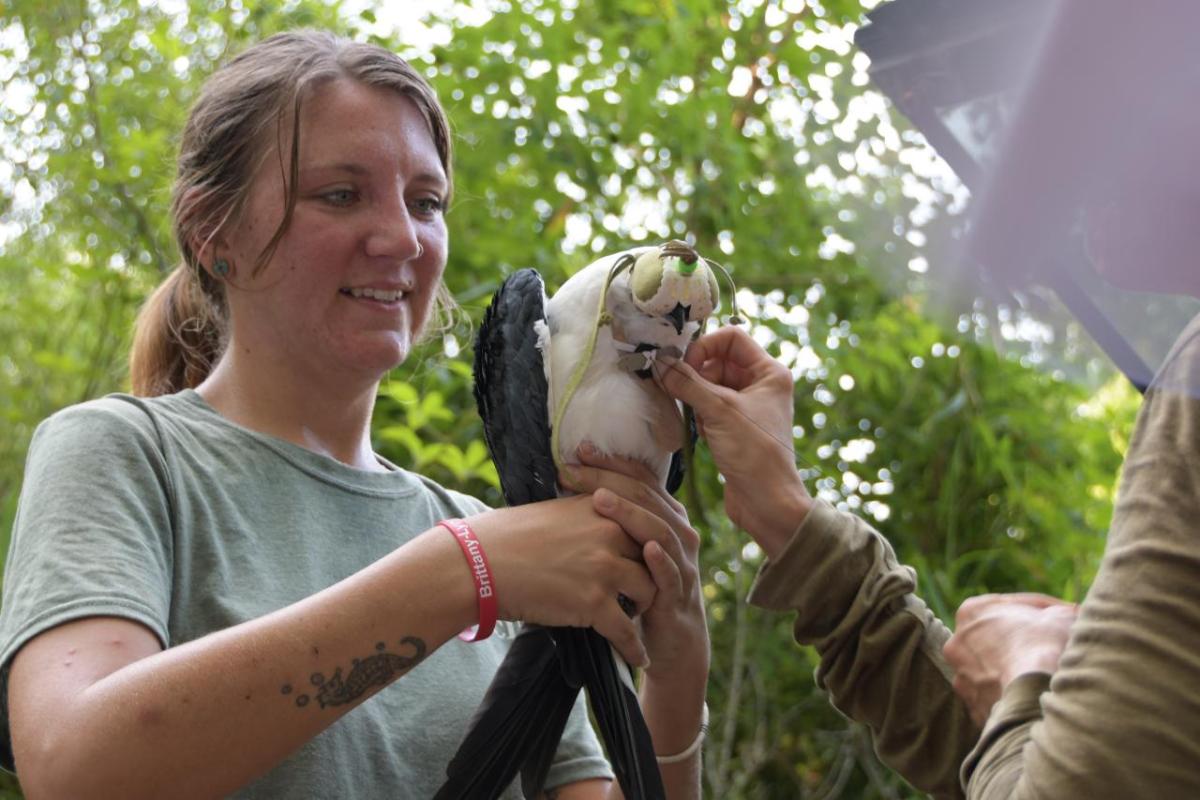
(485, 585)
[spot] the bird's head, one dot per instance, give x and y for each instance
(674, 283)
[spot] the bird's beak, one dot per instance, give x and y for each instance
(678, 316)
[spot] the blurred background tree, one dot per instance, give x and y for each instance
(584, 128)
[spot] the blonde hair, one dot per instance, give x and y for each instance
(182, 328)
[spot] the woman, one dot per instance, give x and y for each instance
(206, 579)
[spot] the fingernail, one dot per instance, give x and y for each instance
(605, 500)
(586, 449)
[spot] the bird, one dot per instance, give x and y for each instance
(549, 373)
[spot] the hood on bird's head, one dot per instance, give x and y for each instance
(673, 281)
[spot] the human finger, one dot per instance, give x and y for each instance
(974, 607)
(628, 477)
(613, 535)
(1034, 599)
(636, 582)
(971, 608)
(1068, 611)
(682, 382)
(630, 467)
(958, 654)
(971, 676)
(721, 344)
(724, 373)
(640, 524)
(974, 697)
(668, 578)
(741, 358)
(622, 631)
(951, 651)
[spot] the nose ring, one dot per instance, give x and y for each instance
(420, 250)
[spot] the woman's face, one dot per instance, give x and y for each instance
(352, 281)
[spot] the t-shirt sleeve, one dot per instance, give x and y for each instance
(1122, 715)
(880, 645)
(92, 535)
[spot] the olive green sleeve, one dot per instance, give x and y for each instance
(880, 645)
(1004, 737)
(1121, 718)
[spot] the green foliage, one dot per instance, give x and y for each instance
(421, 424)
(582, 128)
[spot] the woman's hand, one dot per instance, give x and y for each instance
(675, 633)
(628, 492)
(1001, 636)
(744, 407)
(563, 562)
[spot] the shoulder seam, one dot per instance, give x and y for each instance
(172, 502)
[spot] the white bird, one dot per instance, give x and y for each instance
(656, 303)
(550, 374)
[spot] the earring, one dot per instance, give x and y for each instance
(221, 268)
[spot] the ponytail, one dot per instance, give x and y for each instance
(179, 334)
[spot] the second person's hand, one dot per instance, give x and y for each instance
(673, 627)
(999, 637)
(743, 403)
(628, 492)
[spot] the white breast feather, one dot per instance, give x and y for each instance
(609, 408)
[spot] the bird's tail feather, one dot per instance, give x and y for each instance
(531, 684)
(620, 721)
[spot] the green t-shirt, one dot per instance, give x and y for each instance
(163, 512)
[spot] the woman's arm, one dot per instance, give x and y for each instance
(674, 684)
(98, 709)
(744, 410)
(880, 646)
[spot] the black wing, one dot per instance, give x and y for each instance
(680, 458)
(511, 390)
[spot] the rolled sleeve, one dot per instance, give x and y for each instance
(880, 645)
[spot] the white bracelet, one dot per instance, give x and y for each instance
(691, 748)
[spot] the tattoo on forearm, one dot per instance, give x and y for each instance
(365, 674)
